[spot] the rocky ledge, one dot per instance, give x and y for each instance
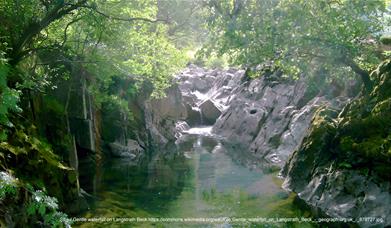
(343, 166)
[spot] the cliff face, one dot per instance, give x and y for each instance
(341, 159)
(271, 117)
(268, 115)
(343, 166)
(81, 134)
(162, 116)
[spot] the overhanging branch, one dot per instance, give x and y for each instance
(128, 19)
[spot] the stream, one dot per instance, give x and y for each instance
(196, 182)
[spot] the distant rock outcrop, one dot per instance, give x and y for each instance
(268, 115)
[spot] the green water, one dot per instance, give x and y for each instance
(198, 178)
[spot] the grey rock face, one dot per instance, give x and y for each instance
(271, 119)
(267, 117)
(131, 150)
(84, 134)
(193, 115)
(80, 112)
(162, 114)
(209, 111)
(200, 95)
(338, 193)
(341, 181)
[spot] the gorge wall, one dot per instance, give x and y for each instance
(343, 165)
(269, 115)
(333, 146)
(314, 136)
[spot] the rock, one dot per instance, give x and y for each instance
(193, 116)
(84, 134)
(338, 167)
(268, 117)
(200, 84)
(162, 114)
(180, 128)
(132, 150)
(210, 113)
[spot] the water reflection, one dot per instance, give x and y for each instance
(196, 177)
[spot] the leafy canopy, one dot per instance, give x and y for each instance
(293, 33)
(42, 42)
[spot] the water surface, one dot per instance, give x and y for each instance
(197, 178)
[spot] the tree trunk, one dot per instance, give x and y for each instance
(368, 84)
(34, 28)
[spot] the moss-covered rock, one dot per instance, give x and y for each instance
(356, 145)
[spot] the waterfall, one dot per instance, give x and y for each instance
(201, 116)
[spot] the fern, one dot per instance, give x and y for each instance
(8, 186)
(9, 99)
(40, 206)
(46, 207)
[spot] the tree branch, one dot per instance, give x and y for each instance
(66, 30)
(129, 19)
(358, 70)
(34, 28)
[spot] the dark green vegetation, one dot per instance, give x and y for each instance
(75, 71)
(360, 138)
(295, 35)
(55, 55)
(347, 154)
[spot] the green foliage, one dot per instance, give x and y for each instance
(47, 41)
(30, 146)
(44, 206)
(43, 43)
(53, 105)
(215, 62)
(295, 33)
(386, 40)
(8, 101)
(185, 22)
(8, 185)
(345, 165)
(39, 206)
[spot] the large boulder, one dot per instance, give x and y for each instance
(162, 114)
(131, 150)
(210, 112)
(193, 115)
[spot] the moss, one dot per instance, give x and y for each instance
(275, 141)
(382, 108)
(386, 40)
(364, 134)
(359, 138)
(359, 129)
(53, 105)
(33, 160)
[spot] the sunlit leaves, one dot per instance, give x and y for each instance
(9, 99)
(282, 30)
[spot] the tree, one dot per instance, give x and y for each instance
(292, 33)
(84, 28)
(186, 22)
(41, 40)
